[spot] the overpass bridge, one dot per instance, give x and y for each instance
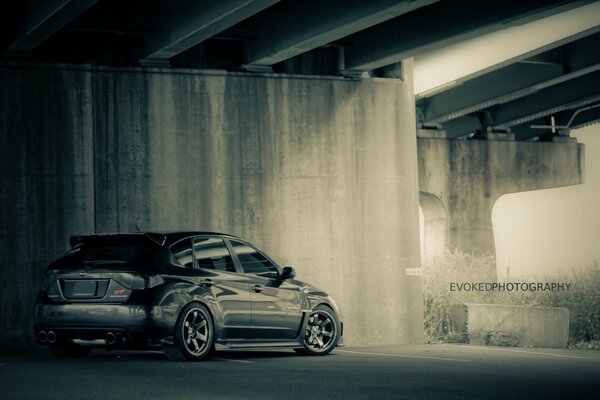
(311, 128)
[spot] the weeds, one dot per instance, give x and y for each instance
(582, 300)
(497, 338)
(438, 274)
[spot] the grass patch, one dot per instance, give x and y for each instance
(582, 300)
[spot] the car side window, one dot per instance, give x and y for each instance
(253, 262)
(183, 254)
(212, 253)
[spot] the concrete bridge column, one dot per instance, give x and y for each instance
(466, 177)
(319, 172)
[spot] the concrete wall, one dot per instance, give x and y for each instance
(468, 176)
(522, 326)
(320, 173)
(46, 182)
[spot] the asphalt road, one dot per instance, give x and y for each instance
(412, 372)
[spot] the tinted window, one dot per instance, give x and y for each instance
(182, 252)
(99, 256)
(119, 254)
(253, 262)
(212, 253)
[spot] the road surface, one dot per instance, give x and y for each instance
(390, 372)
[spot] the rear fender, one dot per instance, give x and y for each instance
(177, 294)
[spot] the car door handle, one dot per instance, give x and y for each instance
(207, 282)
(257, 288)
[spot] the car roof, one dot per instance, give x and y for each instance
(161, 238)
(172, 237)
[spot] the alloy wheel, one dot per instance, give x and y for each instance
(196, 331)
(320, 332)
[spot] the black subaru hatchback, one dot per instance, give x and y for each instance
(185, 292)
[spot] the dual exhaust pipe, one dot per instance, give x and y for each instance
(49, 336)
(110, 338)
(114, 338)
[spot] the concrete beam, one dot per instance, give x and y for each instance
(43, 19)
(294, 27)
(494, 88)
(577, 54)
(550, 97)
(437, 70)
(514, 81)
(463, 126)
(183, 24)
(570, 94)
(440, 25)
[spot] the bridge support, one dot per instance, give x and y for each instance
(319, 172)
(468, 176)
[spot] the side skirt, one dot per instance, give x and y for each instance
(247, 344)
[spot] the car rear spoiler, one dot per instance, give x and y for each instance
(156, 238)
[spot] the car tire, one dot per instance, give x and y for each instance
(321, 333)
(194, 334)
(68, 350)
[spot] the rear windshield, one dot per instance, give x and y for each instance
(103, 257)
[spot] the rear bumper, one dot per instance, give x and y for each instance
(138, 324)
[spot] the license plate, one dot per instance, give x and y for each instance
(84, 289)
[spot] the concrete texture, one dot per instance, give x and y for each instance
(46, 182)
(513, 325)
(461, 180)
(319, 173)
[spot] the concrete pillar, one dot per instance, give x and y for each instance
(469, 176)
(320, 173)
(46, 182)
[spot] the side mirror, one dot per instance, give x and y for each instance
(288, 273)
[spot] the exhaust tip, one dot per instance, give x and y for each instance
(119, 338)
(51, 337)
(110, 338)
(42, 337)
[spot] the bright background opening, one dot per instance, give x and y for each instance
(546, 232)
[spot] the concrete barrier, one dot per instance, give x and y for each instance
(503, 325)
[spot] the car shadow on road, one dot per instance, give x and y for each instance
(254, 354)
(229, 355)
